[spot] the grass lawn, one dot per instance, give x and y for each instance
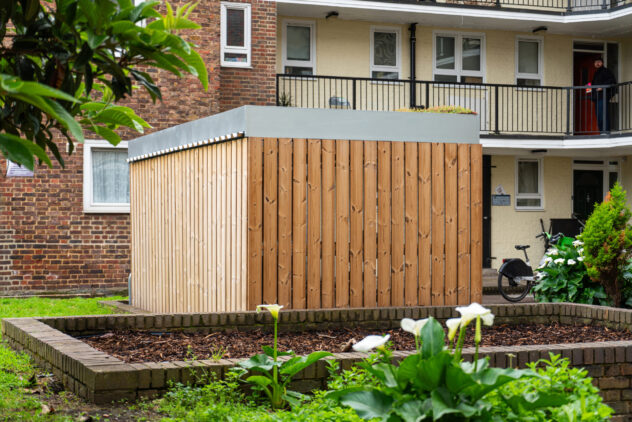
(27, 394)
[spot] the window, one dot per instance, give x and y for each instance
(105, 177)
(385, 53)
(299, 49)
(529, 184)
(459, 58)
(235, 34)
(528, 62)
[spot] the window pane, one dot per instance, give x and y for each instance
(235, 27)
(298, 43)
(612, 179)
(445, 52)
(384, 75)
(235, 57)
(528, 177)
(528, 82)
(384, 49)
(528, 57)
(110, 176)
(528, 202)
(472, 79)
(295, 70)
(446, 78)
(471, 54)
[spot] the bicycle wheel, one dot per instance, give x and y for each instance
(511, 289)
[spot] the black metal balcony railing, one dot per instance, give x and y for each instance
(558, 6)
(503, 109)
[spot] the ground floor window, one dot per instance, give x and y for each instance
(529, 184)
(592, 179)
(105, 177)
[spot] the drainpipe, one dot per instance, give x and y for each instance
(413, 67)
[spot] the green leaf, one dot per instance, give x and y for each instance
(432, 336)
(431, 372)
(259, 380)
(411, 411)
(107, 134)
(368, 404)
(538, 400)
(16, 151)
(259, 362)
(14, 85)
(95, 40)
(194, 60)
(270, 351)
(294, 366)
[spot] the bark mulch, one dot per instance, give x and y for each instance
(143, 346)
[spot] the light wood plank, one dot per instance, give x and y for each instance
(342, 223)
(425, 223)
(476, 224)
(384, 224)
(451, 207)
(397, 224)
(438, 225)
(299, 224)
(411, 289)
(244, 218)
(270, 219)
(285, 223)
(356, 223)
(463, 265)
(314, 188)
(329, 221)
(370, 224)
(255, 221)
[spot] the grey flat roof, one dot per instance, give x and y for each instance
(288, 122)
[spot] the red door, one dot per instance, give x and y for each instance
(585, 117)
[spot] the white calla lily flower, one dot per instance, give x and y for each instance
(453, 325)
(371, 342)
(471, 312)
(559, 261)
(577, 243)
(580, 258)
(413, 327)
(553, 252)
(571, 262)
(273, 309)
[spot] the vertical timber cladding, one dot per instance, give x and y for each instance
(339, 223)
(189, 229)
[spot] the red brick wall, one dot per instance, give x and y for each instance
(47, 242)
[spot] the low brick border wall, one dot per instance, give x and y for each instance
(98, 377)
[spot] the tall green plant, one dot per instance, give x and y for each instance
(607, 241)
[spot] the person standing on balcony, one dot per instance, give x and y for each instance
(601, 96)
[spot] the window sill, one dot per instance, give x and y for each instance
(238, 66)
(106, 209)
(541, 209)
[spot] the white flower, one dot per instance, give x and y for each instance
(580, 258)
(571, 262)
(577, 243)
(413, 327)
(559, 261)
(553, 252)
(471, 312)
(453, 325)
(273, 309)
(370, 342)
(580, 251)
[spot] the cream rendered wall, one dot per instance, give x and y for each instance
(511, 227)
(343, 49)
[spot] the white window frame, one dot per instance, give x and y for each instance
(89, 206)
(458, 56)
(398, 59)
(246, 49)
(533, 76)
(539, 195)
(312, 45)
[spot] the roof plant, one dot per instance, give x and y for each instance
(64, 65)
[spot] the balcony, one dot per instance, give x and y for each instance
(504, 110)
(557, 6)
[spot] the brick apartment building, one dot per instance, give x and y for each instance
(54, 236)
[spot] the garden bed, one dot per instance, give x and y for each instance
(145, 346)
(56, 345)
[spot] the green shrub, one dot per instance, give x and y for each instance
(562, 277)
(607, 239)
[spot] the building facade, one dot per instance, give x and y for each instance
(522, 65)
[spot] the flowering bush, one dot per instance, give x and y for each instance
(562, 277)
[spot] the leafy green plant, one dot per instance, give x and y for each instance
(607, 243)
(435, 383)
(66, 63)
(553, 376)
(441, 109)
(285, 100)
(275, 374)
(562, 277)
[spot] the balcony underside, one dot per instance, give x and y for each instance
(542, 113)
(576, 17)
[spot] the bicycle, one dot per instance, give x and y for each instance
(515, 276)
